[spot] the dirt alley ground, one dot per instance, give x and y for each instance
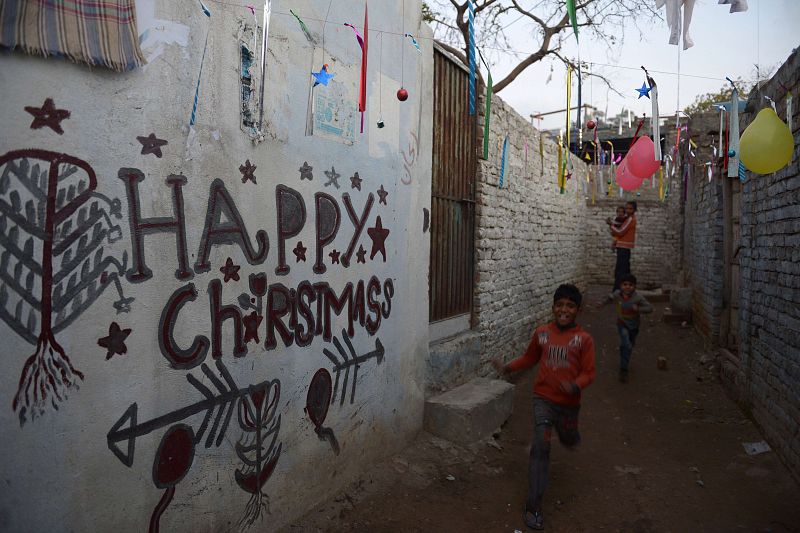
(660, 453)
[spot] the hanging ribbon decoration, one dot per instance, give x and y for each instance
(193, 118)
(265, 30)
(573, 19)
(471, 52)
(661, 183)
(504, 162)
(487, 114)
(613, 165)
(789, 111)
(733, 142)
(541, 143)
(579, 135)
(567, 163)
(414, 42)
(654, 119)
(363, 43)
(560, 165)
(303, 27)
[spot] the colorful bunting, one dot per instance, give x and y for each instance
(303, 27)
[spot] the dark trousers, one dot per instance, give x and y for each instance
(623, 265)
(627, 339)
(546, 416)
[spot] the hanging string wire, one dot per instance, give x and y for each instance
(495, 48)
(324, 22)
(380, 79)
(403, 48)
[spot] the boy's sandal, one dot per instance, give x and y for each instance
(533, 520)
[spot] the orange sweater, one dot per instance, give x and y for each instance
(568, 356)
(626, 234)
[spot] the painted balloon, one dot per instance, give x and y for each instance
(402, 94)
(766, 145)
(591, 124)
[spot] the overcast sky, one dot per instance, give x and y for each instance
(725, 44)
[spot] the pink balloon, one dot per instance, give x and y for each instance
(626, 179)
(641, 158)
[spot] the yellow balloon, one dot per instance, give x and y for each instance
(766, 145)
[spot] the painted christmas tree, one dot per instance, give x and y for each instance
(53, 225)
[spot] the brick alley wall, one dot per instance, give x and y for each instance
(529, 237)
(763, 370)
(704, 228)
(769, 319)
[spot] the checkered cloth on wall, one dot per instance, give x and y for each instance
(97, 32)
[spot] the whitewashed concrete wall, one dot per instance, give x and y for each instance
(124, 395)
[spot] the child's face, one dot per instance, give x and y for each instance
(565, 311)
(629, 210)
(627, 287)
(620, 211)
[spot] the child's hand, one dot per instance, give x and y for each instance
(635, 308)
(569, 387)
(499, 366)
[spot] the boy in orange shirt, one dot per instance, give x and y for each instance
(566, 353)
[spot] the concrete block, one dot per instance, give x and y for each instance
(680, 300)
(470, 412)
(452, 361)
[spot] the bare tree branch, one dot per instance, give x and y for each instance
(604, 21)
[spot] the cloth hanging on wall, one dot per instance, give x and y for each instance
(100, 33)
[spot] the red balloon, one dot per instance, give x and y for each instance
(591, 124)
(626, 179)
(402, 95)
(641, 158)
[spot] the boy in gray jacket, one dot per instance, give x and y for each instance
(629, 306)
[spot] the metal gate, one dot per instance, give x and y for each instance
(453, 192)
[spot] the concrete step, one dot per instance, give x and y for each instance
(470, 412)
(452, 361)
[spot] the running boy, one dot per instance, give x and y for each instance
(566, 354)
(629, 306)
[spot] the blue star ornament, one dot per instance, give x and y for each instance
(644, 91)
(322, 77)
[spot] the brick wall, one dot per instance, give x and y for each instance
(769, 319)
(529, 237)
(704, 228)
(764, 372)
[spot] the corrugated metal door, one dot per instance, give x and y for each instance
(453, 192)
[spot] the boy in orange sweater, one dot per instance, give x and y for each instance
(566, 354)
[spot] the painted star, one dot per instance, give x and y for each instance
(333, 177)
(305, 172)
(334, 257)
(378, 235)
(355, 181)
(151, 144)
(360, 254)
(322, 77)
(300, 251)
(644, 91)
(47, 115)
(115, 341)
(251, 323)
(382, 194)
(230, 271)
(123, 305)
(247, 171)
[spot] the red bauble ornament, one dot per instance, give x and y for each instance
(590, 125)
(402, 95)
